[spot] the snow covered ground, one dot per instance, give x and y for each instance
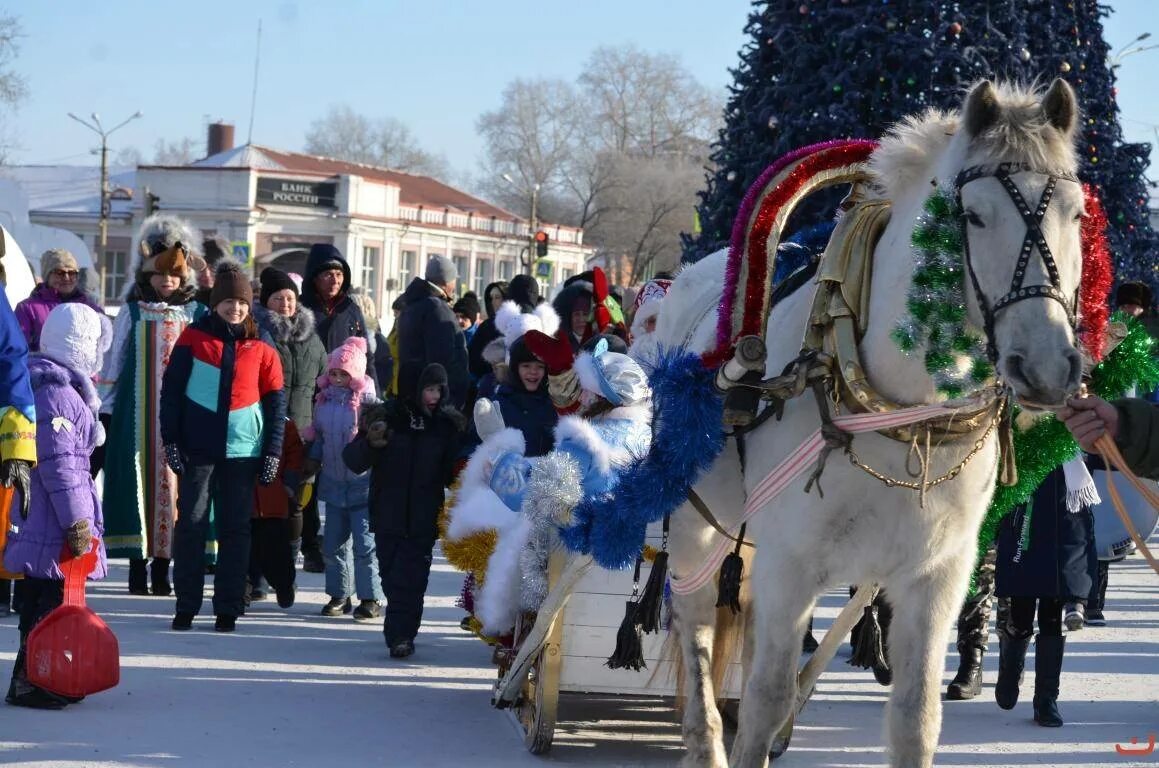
(291, 688)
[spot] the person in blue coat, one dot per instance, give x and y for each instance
(17, 418)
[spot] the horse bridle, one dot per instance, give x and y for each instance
(1034, 237)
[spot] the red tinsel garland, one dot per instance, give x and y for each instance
(1097, 274)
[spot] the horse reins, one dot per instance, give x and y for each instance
(1034, 237)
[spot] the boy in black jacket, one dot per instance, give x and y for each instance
(409, 446)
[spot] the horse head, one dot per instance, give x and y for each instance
(1012, 167)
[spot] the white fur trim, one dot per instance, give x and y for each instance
(548, 319)
(508, 313)
(497, 602)
(647, 310)
(477, 508)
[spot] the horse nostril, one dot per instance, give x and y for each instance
(1076, 367)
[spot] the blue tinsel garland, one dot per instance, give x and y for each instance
(686, 439)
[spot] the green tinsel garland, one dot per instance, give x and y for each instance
(1047, 445)
(955, 352)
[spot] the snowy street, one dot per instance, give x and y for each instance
(296, 689)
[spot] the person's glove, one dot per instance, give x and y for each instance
(269, 471)
(17, 473)
(79, 538)
(173, 459)
(554, 351)
(488, 418)
(377, 434)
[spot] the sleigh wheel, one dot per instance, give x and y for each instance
(538, 705)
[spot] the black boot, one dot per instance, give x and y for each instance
(160, 573)
(1098, 597)
(138, 577)
(1047, 668)
(973, 634)
(809, 643)
(22, 693)
(1011, 662)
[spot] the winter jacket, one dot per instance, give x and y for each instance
(1138, 436)
(276, 499)
(336, 322)
(1044, 550)
(428, 332)
(31, 312)
(17, 404)
(221, 396)
(408, 475)
(485, 333)
(302, 355)
(532, 413)
(336, 419)
(383, 360)
(62, 490)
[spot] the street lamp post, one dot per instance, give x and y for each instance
(533, 223)
(1116, 60)
(106, 204)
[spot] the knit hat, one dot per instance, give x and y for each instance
(57, 258)
(1138, 294)
(76, 336)
(274, 280)
(468, 306)
(441, 270)
(350, 356)
(230, 282)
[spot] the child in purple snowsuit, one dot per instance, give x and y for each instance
(63, 507)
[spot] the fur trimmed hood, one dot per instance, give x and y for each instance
(285, 330)
(46, 372)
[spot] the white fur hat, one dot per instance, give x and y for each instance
(76, 336)
(512, 323)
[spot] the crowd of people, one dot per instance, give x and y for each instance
(218, 424)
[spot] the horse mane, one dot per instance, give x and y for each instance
(1022, 133)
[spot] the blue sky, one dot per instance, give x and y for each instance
(434, 65)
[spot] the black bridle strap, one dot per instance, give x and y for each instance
(1034, 237)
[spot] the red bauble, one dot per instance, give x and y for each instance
(955, 28)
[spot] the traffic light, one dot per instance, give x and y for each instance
(152, 203)
(540, 244)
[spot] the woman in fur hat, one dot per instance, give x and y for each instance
(140, 489)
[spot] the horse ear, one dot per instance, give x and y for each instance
(1061, 106)
(982, 109)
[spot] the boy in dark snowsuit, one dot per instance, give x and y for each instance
(410, 446)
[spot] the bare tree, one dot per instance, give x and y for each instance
(13, 85)
(344, 134)
(128, 156)
(619, 153)
(530, 139)
(182, 152)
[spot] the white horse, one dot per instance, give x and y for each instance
(862, 531)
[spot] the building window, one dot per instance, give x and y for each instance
(506, 270)
(565, 275)
(482, 276)
(371, 259)
(462, 267)
(115, 275)
(406, 268)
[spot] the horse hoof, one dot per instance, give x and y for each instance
(780, 746)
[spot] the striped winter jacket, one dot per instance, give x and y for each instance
(221, 396)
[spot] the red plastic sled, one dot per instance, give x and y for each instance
(71, 652)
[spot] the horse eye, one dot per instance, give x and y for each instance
(974, 220)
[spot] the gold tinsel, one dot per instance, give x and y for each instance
(469, 553)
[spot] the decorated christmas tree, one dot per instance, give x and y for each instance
(815, 70)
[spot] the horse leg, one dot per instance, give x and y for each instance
(917, 649)
(703, 731)
(770, 691)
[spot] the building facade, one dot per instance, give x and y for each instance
(273, 205)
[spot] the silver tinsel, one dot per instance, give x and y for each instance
(553, 491)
